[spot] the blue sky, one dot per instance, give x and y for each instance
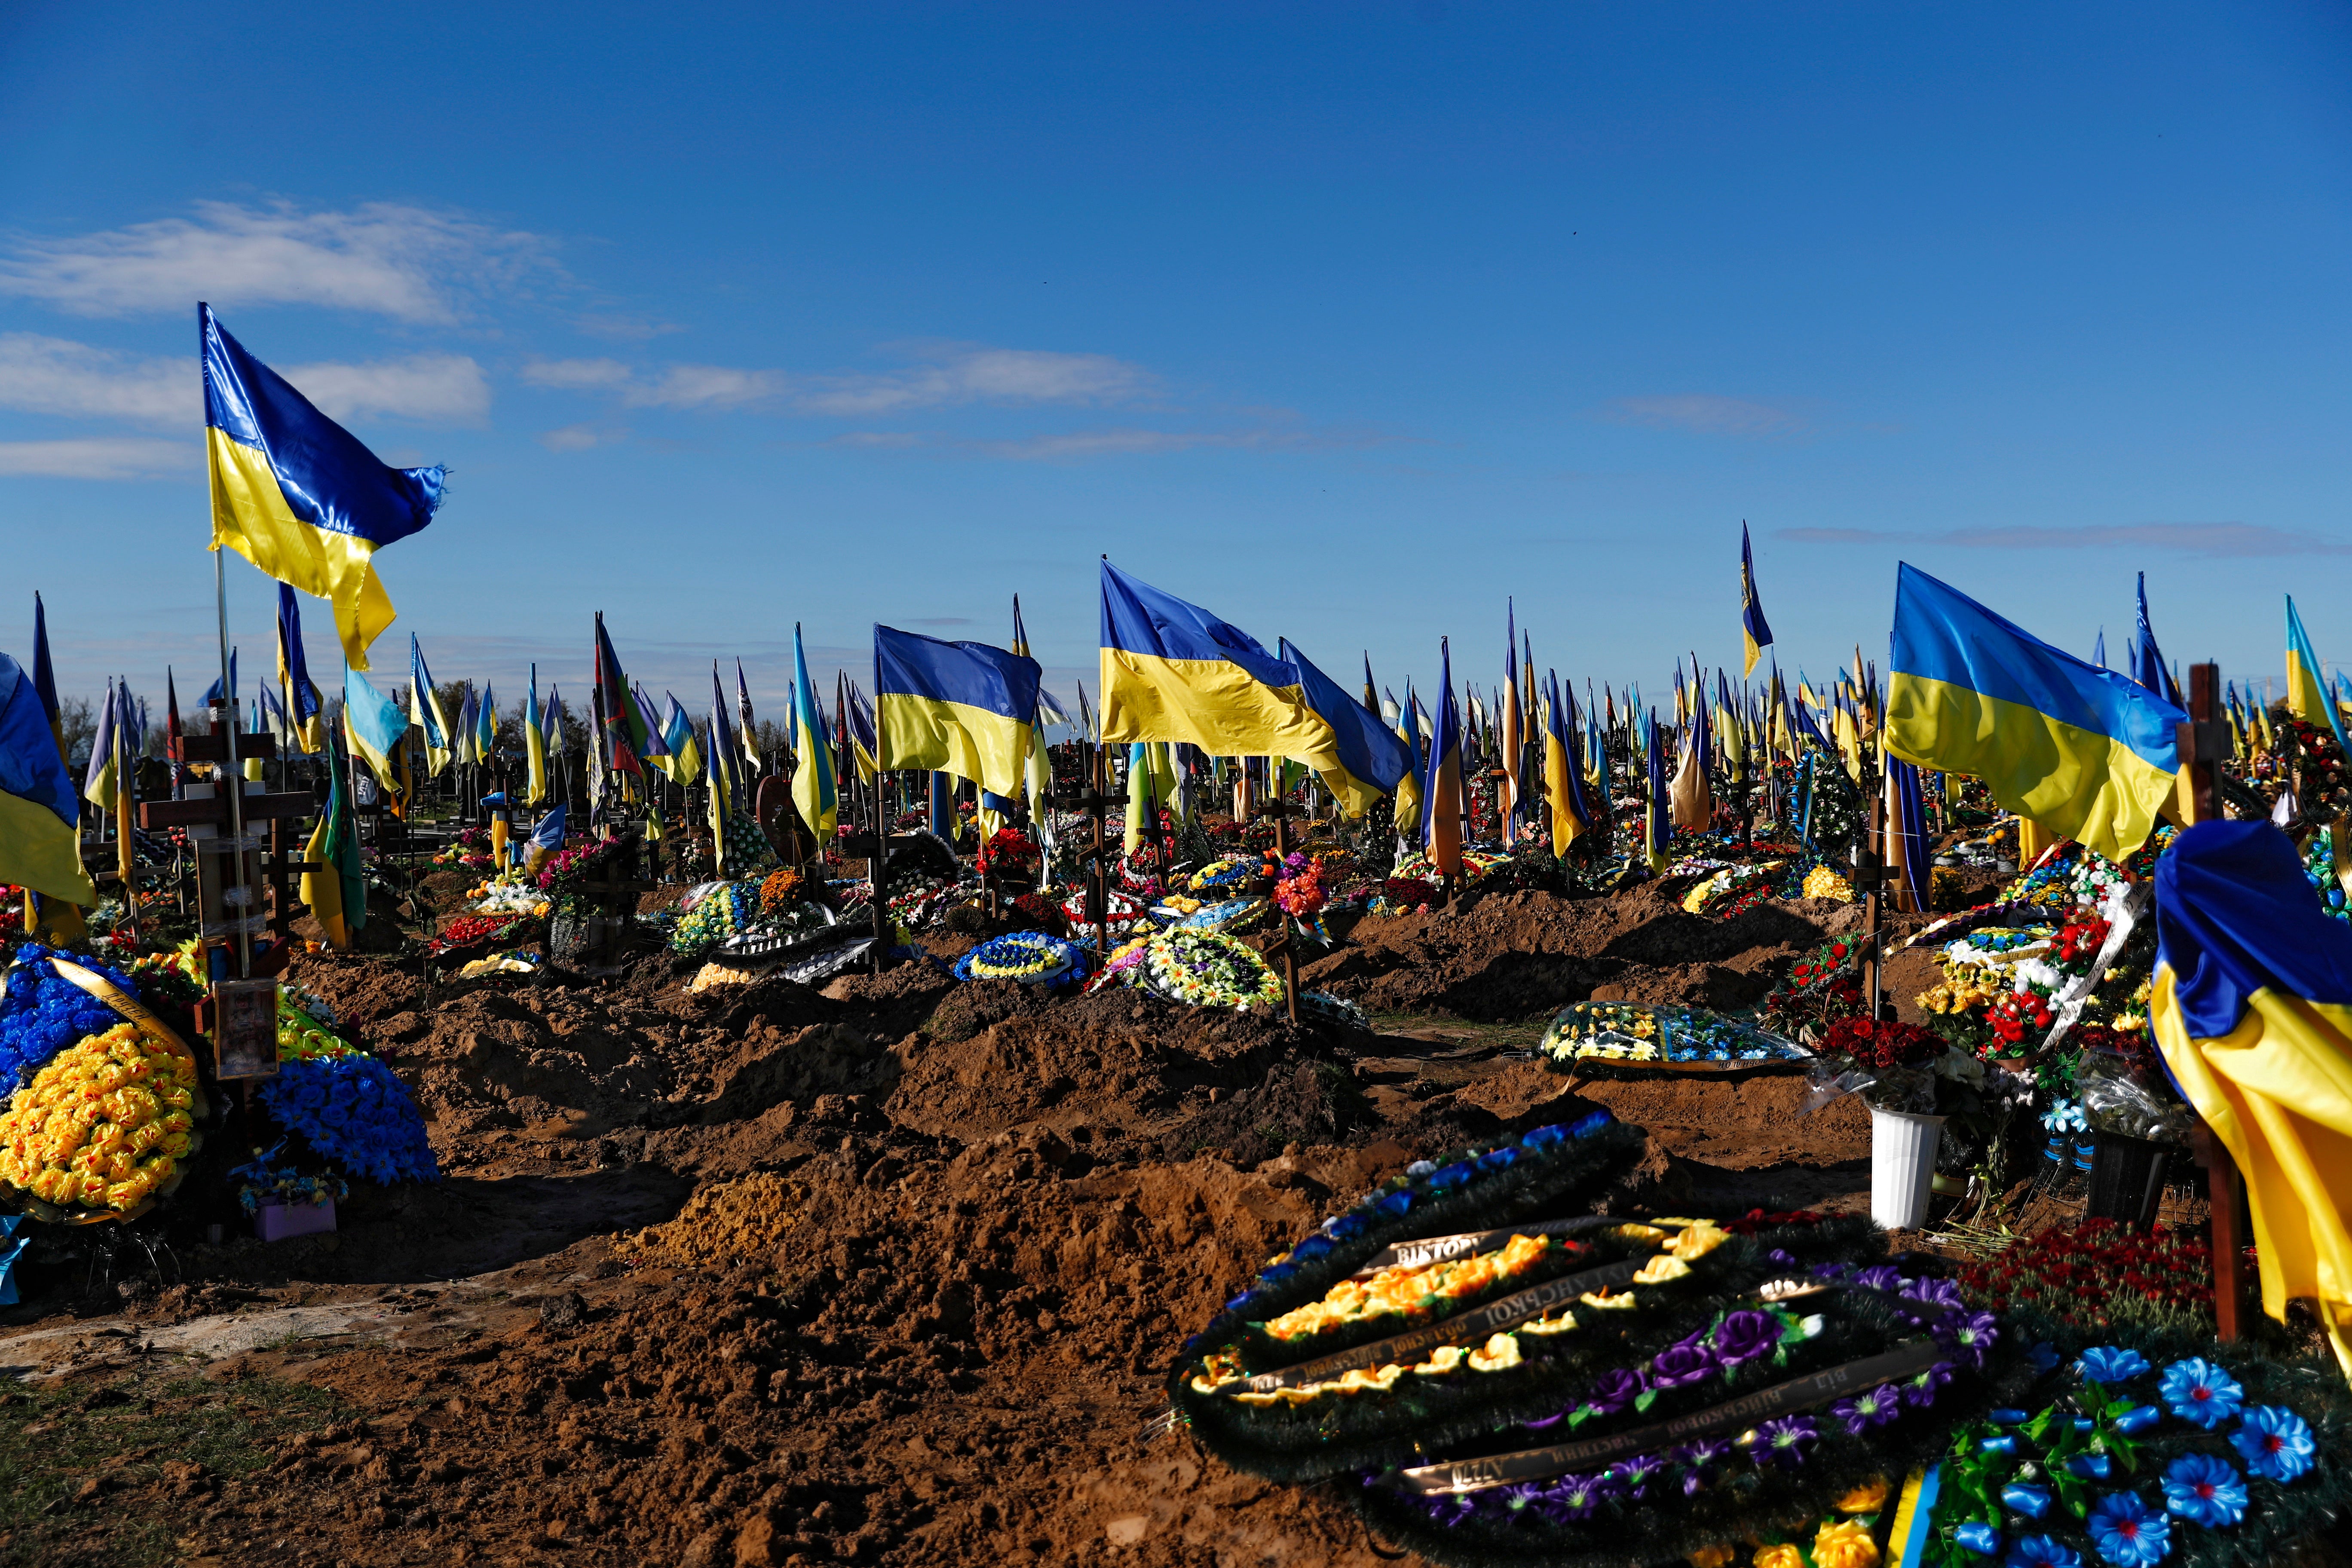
(1342, 321)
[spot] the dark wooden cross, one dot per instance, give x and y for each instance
(1095, 799)
(1282, 811)
(280, 811)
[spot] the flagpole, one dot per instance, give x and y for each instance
(232, 772)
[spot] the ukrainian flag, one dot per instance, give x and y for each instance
(1171, 672)
(40, 816)
(812, 790)
(2085, 752)
(2306, 690)
(963, 708)
(302, 720)
(685, 763)
(373, 727)
(296, 494)
(338, 894)
(1441, 787)
(1372, 761)
(865, 741)
(1754, 630)
(534, 745)
(2252, 1009)
(486, 725)
(1408, 795)
(1571, 815)
(425, 711)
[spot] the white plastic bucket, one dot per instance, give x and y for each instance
(1901, 1166)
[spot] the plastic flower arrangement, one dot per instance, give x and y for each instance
(779, 891)
(260, 1183)
(1822, 882)
(42, 1013)
(351, 1110)
(1300, 892)
(1639, 1032)
(1008, 849)
(1210, 969)
(302, 1038)
(2098, 1273)
(568, 877)
(1125, 964)
(720, 913)
(104, 1124)
(469, 930)
(1030, 957)
(1222, 874)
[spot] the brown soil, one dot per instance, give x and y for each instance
(885, 1273)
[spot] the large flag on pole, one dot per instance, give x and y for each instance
(1408, 795)
(747, 735)
(40, 819)
(1441, 787)
(1372, 762)
(2306, 690)
(534, 747)
(1172, 672)
(2252, 1009)
(1754, 630)
(2085, 752)
(623, 741)
(297, 495)
(2147, 662)
(812, 790)
(1509, 699)
(963, 708)
(98, 778)
(685, 753)
(1571, 813)
(301, 702)
(45, 678)
(337, 895)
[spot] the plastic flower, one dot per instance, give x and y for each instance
(2204, 1490)
(1919, 1391)
(2043, 1551)
(1843, 1543)
(2199, 1391)
(2106, 1363)
(1614, 1390)
(1699, 1460)
(1863, 1411)
(1973, 1336)
(1868, 1498)
(1781, 1556)
(1678, 1365)
(1574, 1497)
(1742, 1337)
(2128, 1532)
(2276, 1442)
(1784, 1441)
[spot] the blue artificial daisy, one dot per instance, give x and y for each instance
(2108, 1363)
(2199, 1391)
(2128, 1532)
(2274, 1442)
(2043, 1551)
(2204, 1490)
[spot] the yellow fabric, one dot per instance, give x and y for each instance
(1408, 797)
(377, 762)
(1566, 826)
(1217, 706)
(250, 516)
(955, 738)
(2278, 1091)
(2304, 697)
(323, 890)
(1691, 794)
(534, 752)
(2084, 785)
(41, 850)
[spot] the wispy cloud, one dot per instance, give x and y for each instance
(944, 376)
(2217, 540)
(56, 376)
(580, 438)
(623, 329)
(1707, 414)
(99, 458)
(1076, 445)
(407, 262)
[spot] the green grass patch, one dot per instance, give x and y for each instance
(56, 1438)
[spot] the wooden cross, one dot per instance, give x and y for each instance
(1282, 811)
(1095, 799)
(277, 810)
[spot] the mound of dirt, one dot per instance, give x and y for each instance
(1510, 956)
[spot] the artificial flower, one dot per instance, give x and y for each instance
(2106, 1363)
(2128, 1532)
(2204, 1490)
(2199, 1391)
(2276, 1442)
(2043, 1551)
(1867, 1497)
(1780, 1554)
(1785, 1440)
(1844, 1543)
(1863, 1411)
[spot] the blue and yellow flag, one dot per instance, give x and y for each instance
(683, 761)
(45, 678)
(2085, 752)
(2307, 692)
(486, 725)
(338, 894)
(373, 727)
(462, 738)
(297, 495)
(1571, 813)
(2147, 661)
(534, 745)
(1507, 700)
(99, 779)
(1372, 762)
(1755, 632)
(963, 708)
(1441, 783)
(1408, 795)
(812, 790)
(1172, 672)
(425, 711)
(40, 819)
(1657, 820)
(301, 702)
(2253, 1008)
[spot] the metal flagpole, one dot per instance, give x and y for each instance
(233, 774)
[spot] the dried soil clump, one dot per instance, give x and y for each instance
(721, 1226)
(1299, 1102)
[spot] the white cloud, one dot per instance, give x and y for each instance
(705, 386)
(433, 389)
(580, 437)
(55, 375)
(576, 374)
(960, 374)
(104, 457)
(1708, 414)
(406, 262)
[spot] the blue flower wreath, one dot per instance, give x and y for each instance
(41, 1014)
(352, 1110)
